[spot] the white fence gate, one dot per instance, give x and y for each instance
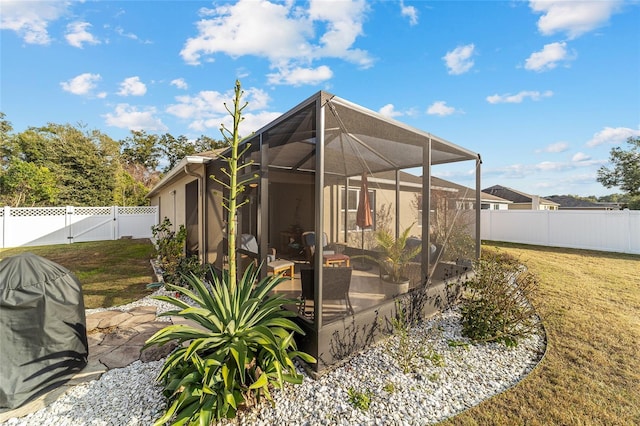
(616, 231)
(36, 226)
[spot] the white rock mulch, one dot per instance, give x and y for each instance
(430, 393)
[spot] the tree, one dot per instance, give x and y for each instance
(142, 148)
(85, 177)
(625, 173)
(26, 184)
(175, 149)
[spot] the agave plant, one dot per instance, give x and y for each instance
(240, 345)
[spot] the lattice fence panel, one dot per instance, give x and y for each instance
(150, 210)
(92, 211)
(38, 211)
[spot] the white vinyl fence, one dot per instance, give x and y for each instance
(616, 231)
(36, 226)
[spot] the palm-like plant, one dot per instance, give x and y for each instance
(240, 344)
(395, 255)
(242, 341)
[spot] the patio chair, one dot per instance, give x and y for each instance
(309, 245)
(248, 252)
(336, 284)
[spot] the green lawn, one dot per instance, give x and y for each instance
(590, 302)
(111, 272)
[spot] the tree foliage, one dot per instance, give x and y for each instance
(72, 156)
(59, 165)
(625, 171)
(175, 149)
(26, 184)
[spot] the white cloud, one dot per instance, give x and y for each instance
(573, 17)
(548, 58)
(132, 86)
(389, 111)
(205, 104)
(299, 76)
(440, 108)
(121, 32)
(459, 60)
(206, 109)
(289, 42)
(556, 147)
(524, 170)
(179, 83)
(612, 135)
(518, 97)
(580, 157)
(410, 12)
(251, 123)
(77, 34)
(129, 117)
(29, 19)
(82, 84)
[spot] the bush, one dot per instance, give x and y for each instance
(495, 302)
(243, 345)
(170, 250)
(186, 266)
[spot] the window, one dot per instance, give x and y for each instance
(350, 203)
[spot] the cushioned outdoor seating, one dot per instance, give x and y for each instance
(336, 284)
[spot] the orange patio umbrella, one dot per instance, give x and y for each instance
(363, 215)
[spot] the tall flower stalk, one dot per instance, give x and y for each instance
(238, 343)
(235, 185)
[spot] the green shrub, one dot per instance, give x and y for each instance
(242, 345)
(169, 249)
(407, 351)
(495, 302)
(185, 267)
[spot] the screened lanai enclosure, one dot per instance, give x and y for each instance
(330, 176)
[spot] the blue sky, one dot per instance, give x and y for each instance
(541, 89)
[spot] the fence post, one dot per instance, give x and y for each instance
(115, 229)
(627, 213)
(5, 225)
(68, 223)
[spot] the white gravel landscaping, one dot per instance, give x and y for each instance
(466, 375)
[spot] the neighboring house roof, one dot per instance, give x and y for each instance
(465, 192)
(516, 196)
(571, 202)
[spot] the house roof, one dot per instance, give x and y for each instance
(516, 196)
(571, 202)
(408, 179)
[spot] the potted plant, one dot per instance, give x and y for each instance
(393, 259)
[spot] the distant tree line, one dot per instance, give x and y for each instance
(58, 165)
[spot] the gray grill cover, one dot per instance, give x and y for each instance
(43, 337)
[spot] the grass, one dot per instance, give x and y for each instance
(111, 272)
(590, 302)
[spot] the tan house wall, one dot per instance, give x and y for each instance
(172, 201)
(519, 206)
(333, 216)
